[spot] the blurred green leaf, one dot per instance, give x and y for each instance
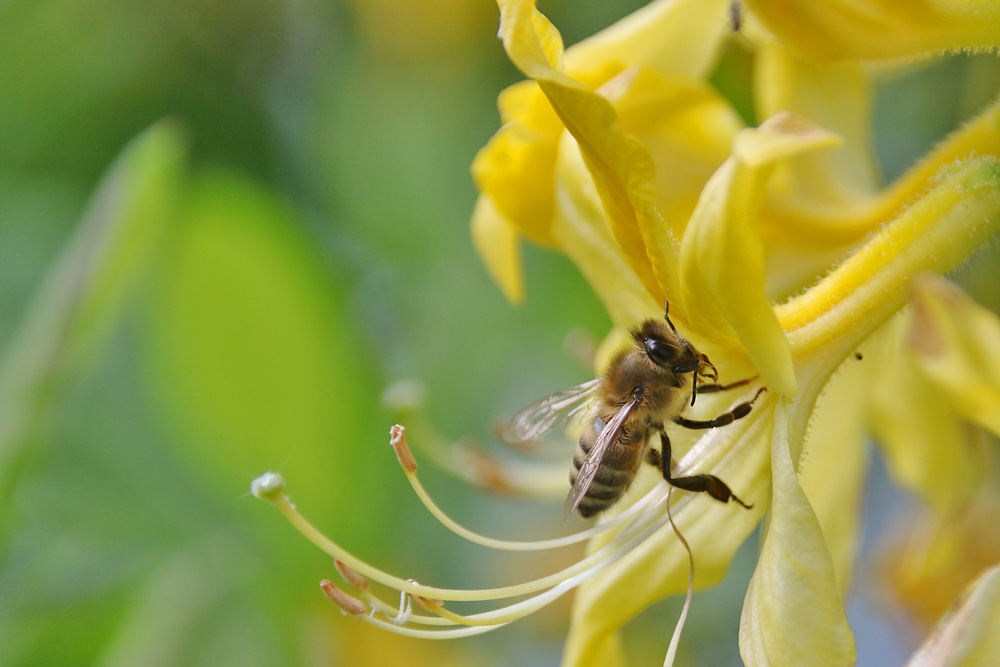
(258, 361)
(79, 77)
(166, 621)
(78, 303)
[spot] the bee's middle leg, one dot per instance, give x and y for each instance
(709, 484)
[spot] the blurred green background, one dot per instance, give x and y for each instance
(225, 227)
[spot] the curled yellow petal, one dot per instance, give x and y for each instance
(793, 613)
(620, 165)
(826, 31)
(968, 635)
(956, 343)
(722, 258)
(515, 171)
(581, 231)
(979, 136)
(827, 199)
(499, 247)
(935, 234)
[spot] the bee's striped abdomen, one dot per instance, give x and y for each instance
(614, 474)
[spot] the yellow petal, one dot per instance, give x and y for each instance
(689, 129)
(793, 613)
(523, 101)
(658, 567)
(515, 171)
(825, 31)
(581, 231)
(935, 234)
(610, 652)
(722, 258)
(980, 136)
(968, 635)
(834, 462)
(808, 213)
(499, 247)
(932, 558)
(957, 346)
(671, 36)
(621, 166)
(817, 187)
(930, 450)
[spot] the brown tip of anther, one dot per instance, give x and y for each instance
(350, 576)
(397, 438)
(350, 604)
(427, 604)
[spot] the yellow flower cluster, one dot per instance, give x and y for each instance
(782, 257)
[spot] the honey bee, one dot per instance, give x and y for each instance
(643, 389)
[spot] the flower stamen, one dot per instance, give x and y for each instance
(350, 576)
(509, 545)
(348, 603)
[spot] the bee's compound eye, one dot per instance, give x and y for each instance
(669, 356)
(688, 365)
(661, 352)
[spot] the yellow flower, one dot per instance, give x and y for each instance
(936, 401)
(618, 153)
(780, 192)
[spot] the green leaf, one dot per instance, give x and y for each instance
(256, 360)
(78, 303)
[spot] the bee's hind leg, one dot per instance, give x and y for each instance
(709, 484)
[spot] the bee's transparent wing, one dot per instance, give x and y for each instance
(588, 470)
(532, 423)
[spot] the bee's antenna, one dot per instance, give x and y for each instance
(666, 315)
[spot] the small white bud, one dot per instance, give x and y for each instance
(269, 486)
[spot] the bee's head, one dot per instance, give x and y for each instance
(666, 348)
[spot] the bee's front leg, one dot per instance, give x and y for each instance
(739, 412)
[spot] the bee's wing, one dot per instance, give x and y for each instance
(533, 422)
(588, 470)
